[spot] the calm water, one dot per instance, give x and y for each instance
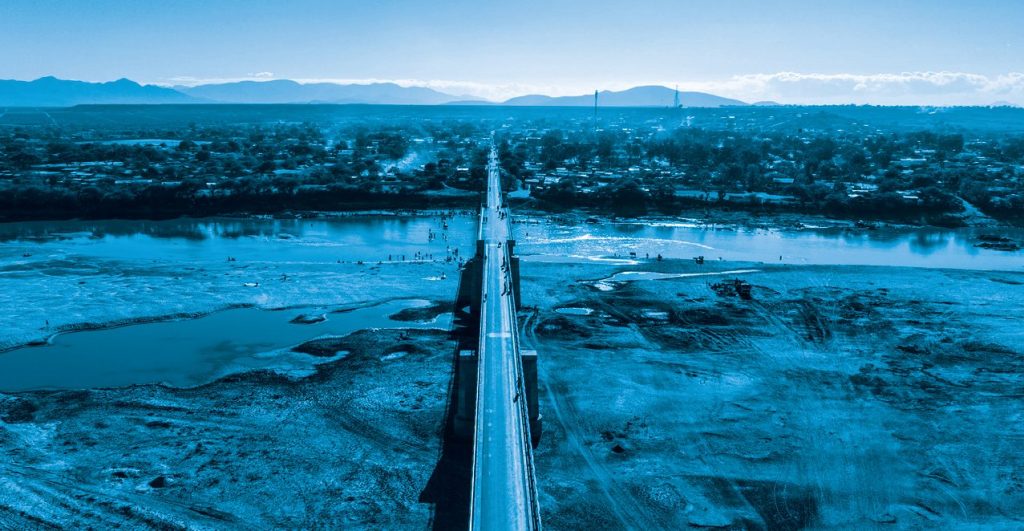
(90, 261)
(934, 248)
(375, 238)
(192, 241)
(188, 352)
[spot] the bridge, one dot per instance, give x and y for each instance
(496, 382)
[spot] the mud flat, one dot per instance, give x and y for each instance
(353, 445)
(837, 397)
(844, 396)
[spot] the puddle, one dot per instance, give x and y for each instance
(655, 315)
(191, 352)
(574, 311)
(630, 276)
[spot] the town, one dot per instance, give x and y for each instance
(843, 162)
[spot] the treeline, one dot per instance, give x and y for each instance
(629, 198)
(161, 202)
(627, 169)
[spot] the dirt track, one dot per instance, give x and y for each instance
(837, 397)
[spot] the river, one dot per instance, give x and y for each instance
(116, 280)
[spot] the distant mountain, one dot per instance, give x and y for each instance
(647, 96)
(287, 91)
(471, 102)
(52, 92)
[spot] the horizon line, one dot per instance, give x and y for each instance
(930, 89)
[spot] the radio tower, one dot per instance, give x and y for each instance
(679, 108)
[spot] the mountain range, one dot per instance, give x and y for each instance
(287, 91)
(646, 96)
(53, 92)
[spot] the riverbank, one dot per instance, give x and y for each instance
(353, 445)
(343, 285)
(88, 275)
(837, 396)
(330, 207)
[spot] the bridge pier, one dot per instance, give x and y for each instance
(470, 288)
(529, 359)
(514, 268)
(465, 394)
(469, 297)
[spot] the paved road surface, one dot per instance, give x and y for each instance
(504, 496)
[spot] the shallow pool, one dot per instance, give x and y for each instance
(190, 352)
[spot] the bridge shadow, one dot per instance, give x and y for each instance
(449, 486)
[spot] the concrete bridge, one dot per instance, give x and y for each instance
(496, 382)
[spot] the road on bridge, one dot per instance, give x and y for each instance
(504, 494)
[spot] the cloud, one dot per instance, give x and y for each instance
(262, 75)
(905, 88)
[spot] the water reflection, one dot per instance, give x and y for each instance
(374, 238)
(365, 238)
(188, 352)
(926, 247)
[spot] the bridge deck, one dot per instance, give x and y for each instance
(504, 494)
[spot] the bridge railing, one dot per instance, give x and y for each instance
(524, 414)
(521, 451)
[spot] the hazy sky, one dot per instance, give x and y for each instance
(825, 51)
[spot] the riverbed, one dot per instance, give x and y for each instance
(847, 394)
(167, 293)
(190, 352)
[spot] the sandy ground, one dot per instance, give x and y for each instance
(352, 446)
(837, 397)
(78, 293)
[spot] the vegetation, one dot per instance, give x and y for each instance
(628, 164)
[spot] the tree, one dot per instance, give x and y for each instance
(627, 198)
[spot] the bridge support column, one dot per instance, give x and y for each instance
(465, 394)
(470, 296)
(470, 287)
(513, 267)
(529, 361)
(516, 291)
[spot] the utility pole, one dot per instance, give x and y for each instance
(679, 109)
(593, 169)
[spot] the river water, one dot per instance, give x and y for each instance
(930, 247)
(61, 274)
(191, 352)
